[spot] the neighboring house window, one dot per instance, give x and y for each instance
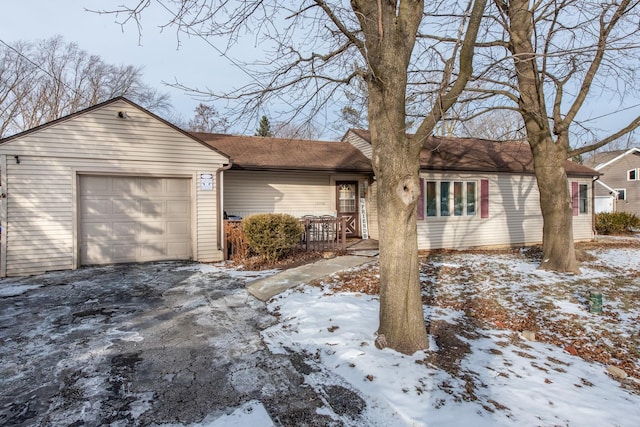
(622, 193)
(632, 175)
(449, 198)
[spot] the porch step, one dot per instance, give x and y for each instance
(268, 287)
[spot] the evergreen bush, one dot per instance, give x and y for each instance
(616, 222)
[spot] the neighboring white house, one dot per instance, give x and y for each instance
(479, 193)
(112, 183)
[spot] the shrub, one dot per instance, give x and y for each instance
(238, 247)
(616, 222)
(272, 235)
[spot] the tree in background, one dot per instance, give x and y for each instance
(264, 129)
(549, 60)
(44, 80)
(207, 119)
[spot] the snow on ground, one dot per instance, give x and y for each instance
(222, 268)
(497, 378)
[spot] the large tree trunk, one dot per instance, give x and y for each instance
(549, 154)
(402, 325)
(390, 31)
(558, 252)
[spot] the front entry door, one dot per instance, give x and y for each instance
(347, 204)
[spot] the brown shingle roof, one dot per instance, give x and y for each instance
(480, 155)
(260, 153)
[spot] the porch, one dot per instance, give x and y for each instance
(321, 234)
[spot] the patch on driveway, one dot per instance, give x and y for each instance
(145, 345)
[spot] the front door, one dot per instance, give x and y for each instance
(347, 204)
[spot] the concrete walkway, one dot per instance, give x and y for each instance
(268, 287)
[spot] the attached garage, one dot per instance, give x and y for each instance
(134, 219)
(110, 184)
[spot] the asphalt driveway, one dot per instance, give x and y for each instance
(151, 344)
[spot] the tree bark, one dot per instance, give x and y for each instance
(549, 154)
(558, 251)
(389, 40)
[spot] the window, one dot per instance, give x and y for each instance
(432, 204)
(632, 175)
(347, 197)
(584, 199)
(622, 193)
(471, 198)
(444, 198)
(450, 198)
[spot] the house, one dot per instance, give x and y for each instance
(295, 177)
(115, 183)
(479, 193)
(112, 183)
(618, 190)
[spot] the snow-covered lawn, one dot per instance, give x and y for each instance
(480, 369)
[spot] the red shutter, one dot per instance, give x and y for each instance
(421, 200)
(484, 198)
(575, 198)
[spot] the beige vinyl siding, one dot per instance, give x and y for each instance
(297, 194)
(514, 216)
(42, 193)
(359, 143)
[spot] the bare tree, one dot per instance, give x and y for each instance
(317, 46)
(548, 60)
(42, 81)
(207, 119)
(292, 130)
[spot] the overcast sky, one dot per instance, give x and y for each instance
(193, 63)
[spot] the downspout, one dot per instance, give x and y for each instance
(219, 204)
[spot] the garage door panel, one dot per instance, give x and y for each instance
(150, 252)
(97, 229)
(176, 186)
(125, 229)
(95, 185)
(177, 228)
(124, 185)
(125, 207)
(133, 219)
(177, 250)
(96, 207)
(154, 229)
(151, 186)
(151, 207)
(176, 208)
(122, 253)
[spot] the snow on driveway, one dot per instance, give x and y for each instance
(170, 344)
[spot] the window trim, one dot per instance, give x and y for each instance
(583, 199)
(635, 174)
(429, 185)
(621, 191)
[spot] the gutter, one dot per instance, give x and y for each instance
(611, 190)
(220, 207)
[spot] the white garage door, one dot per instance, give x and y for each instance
(134, 219)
